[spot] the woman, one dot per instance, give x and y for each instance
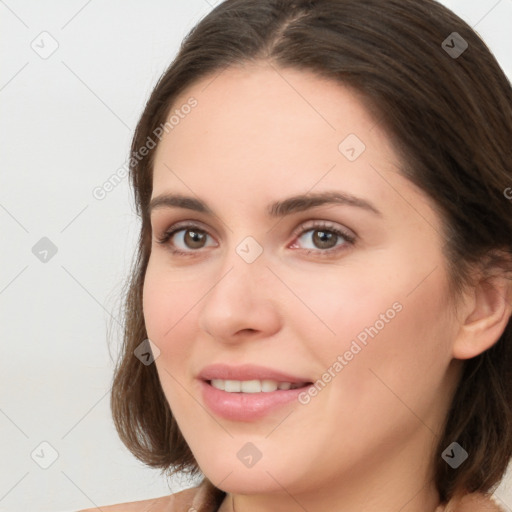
(319, 313)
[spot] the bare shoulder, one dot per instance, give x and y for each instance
(161, 504)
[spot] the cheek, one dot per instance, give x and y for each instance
(389, 324)
(401, 363)
(168, 309)
(338, 305)
(168, 313)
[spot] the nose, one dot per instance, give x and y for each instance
(242, 303)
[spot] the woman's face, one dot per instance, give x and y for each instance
(349, 295)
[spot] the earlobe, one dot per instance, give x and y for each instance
(487, 317)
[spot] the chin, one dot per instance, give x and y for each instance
(262, 478)
(248, 482)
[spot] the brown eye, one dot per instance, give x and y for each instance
(193, 239)
(184, 240)
(324, 238)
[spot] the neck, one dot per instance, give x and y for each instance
(425, 499)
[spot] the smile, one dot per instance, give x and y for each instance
(253, 386)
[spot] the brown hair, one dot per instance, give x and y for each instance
(450, 120)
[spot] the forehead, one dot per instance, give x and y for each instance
(259, 129)
(246, 110)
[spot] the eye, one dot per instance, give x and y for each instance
(192, 237)
(325, 237)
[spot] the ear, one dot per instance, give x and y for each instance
(486, 313)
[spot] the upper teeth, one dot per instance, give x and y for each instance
(251, 386)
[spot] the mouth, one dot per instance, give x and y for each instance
(248, 393)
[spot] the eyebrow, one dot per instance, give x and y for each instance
(280, 208)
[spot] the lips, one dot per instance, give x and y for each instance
(248, 372)
(248, 392)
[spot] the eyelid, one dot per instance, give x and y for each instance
(327, 225)
(187, 224)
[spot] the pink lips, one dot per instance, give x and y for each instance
(246, 372)
(246, 406)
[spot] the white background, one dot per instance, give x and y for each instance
(66, 123)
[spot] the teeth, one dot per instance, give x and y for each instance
(269, 385)
(232, 386)
(219, 384)
(253, 386)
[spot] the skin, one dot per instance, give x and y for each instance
(259, 134)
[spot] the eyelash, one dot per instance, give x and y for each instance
(317, 226)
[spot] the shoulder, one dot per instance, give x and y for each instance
(173, 502)
(473, 502)
(205, 497)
